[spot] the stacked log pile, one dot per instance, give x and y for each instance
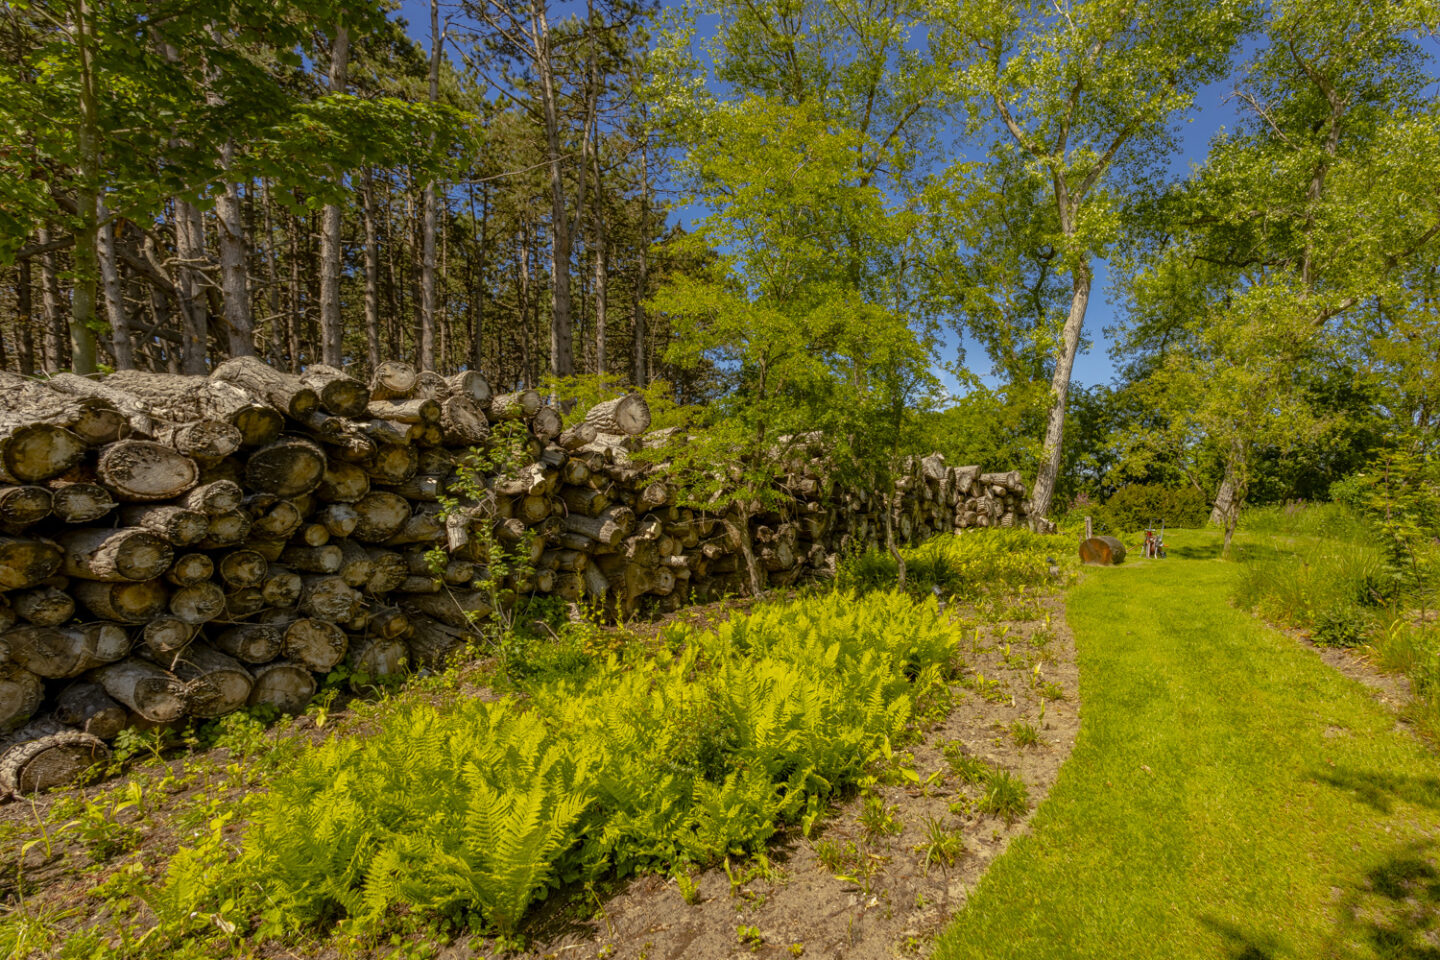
(176, 547)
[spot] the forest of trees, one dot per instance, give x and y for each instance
(189, 180)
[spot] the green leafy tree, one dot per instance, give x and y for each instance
(1081, 97)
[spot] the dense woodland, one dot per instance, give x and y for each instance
(863, 182)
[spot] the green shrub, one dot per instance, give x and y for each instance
(1332, 521)
(965, 565)
(1135, 506)
(472, 811)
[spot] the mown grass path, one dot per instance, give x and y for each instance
(1229, 795)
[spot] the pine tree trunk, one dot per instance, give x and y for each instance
(332, 330)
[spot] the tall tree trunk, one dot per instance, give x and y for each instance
(25, 307)
(189, 285)
(427, 255)
(120, 342)
(602, 268)
(82, 297)
(54, 340)
(642, 374)
(332, 330)
(372, 272)
(295, 319)
(1044, 490)
(522, 301)
(477, 345)
(234, 271)
(272, 274)
(562, 332)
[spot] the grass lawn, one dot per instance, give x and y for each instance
(1229, 794)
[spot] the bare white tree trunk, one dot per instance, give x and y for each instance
(427, 242)
(1044, 490)
(120, 343)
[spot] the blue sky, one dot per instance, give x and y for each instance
(1211, 113)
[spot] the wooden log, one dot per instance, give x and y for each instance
(546, 424)
(353, 565)
(226, 529)
(32, 450)
(389, 571)
(339, 393)
(47, 757)
(243, 602)
(86, 706)
(339, 519)
(21, 506)
(282, 587)
(79, 502)
(607, 529)
(472, 385)
(276, 521)
(217, 496)
(391, 463)
(177, 525)
(584, 501)
(58, 652)
(286, 468)
(342, 482)
(405, 411)
(186, 399)
(381, 515)
(628, 415)
(434, 645)
(322, 559)
(392, 380)
(580, 435)
(328, 597)
(374, 658)
(21, 693)
(44, 606)
(286, 686)
(214, 683)
(251, 642)
(151, 692)
(143, 470)
(190, 568)
(318, 645)
(161, 637)
(1102, 551)
(128, 553)
(520, 405)
(453, 607)
(243, 568)
(424, 525)
(125, 602)
(463, 422)
(285, 392)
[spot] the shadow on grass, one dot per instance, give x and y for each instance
(1238, 944)
(1380, 791)
(1198, 551)
(1395, 907)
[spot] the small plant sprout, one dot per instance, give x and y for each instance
(966, 768)
(877, 818)
(940, 845)
(796, 949)
(749, 936)
(1006, 796)
(689, 889)
(1025, 734)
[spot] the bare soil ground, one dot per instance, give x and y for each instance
(868, 882)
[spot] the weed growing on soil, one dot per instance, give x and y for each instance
(749, 937)
(1025, 734)
(878, 818)
(940, 845)
(966, 768)
(1006, 796)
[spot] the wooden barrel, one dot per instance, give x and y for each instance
(1102, 551)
